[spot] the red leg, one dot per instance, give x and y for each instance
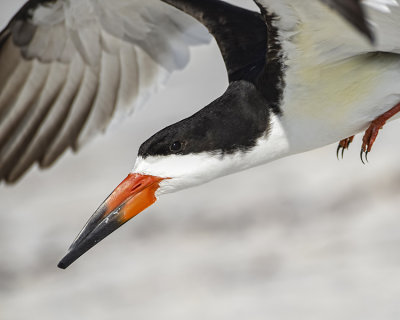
(343, 145)
(373, 130)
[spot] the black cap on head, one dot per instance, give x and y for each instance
(229, 124)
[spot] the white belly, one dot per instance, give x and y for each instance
(323, 105)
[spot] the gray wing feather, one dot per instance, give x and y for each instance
(67, 67)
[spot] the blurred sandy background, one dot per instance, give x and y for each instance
(307, 237)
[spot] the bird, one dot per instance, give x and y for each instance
(302, 74)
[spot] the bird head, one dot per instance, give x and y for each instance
(226, 136)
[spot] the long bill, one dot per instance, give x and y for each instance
(132, 196)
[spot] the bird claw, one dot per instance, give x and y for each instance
(338, 151)
(369, 140)
(364, 155)
(370, 134)
(343, 145)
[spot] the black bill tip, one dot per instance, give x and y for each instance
(132, 196)
(64, 263)
(82, 245)
(74, 253)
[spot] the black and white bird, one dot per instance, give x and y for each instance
(302, 74)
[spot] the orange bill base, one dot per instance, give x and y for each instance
(132, 196)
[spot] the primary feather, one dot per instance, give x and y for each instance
(68, 66)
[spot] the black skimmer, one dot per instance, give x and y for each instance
(300, 77)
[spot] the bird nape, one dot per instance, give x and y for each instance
(302, 75)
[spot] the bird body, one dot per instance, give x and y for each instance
(300, 77)
(334, 91)
(326, 98)
(324, 105)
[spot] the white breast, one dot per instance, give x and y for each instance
(324, 103)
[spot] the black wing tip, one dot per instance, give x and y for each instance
(354, 12)
(361, 24)
(367, 31)
(371, 37)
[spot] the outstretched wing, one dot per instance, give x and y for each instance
(319, 29)
(67, 67)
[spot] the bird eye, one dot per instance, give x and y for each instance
(176, 146)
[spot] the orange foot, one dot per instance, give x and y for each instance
(344, 145)
(370, 135)
(373, 130)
